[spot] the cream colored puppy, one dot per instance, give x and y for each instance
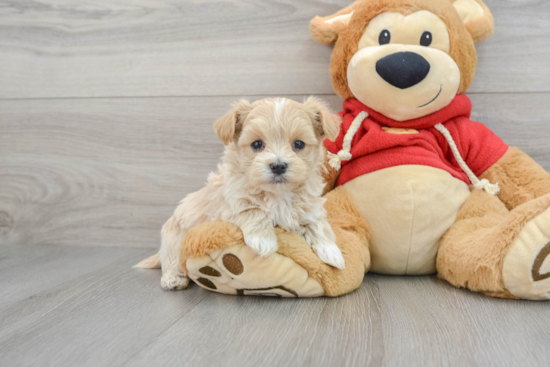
(270, 176)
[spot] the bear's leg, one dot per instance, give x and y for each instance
(498, 252)
(352, 237)
(207, 242)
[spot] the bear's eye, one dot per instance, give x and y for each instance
(426, 39)
(385, 37)
(299, 145)
(257, 145)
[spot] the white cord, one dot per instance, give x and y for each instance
(484, 184)
(344, 154)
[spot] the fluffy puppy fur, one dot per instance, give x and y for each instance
(271, 175)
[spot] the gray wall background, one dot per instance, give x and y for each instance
(106, 106)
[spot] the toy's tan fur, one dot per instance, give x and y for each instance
(472, 251)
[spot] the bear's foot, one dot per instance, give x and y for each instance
(526, 266)
(239, 270)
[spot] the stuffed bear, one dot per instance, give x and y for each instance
(414, 186)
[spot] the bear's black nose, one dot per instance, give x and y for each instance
(403, 69)
(278, 168)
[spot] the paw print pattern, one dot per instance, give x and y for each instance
(240, 271)
(542, 257)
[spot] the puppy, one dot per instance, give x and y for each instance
(270, 176)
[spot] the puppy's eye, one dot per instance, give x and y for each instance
(298, 144)
(257, 145)
(426, 39)
(385, 37)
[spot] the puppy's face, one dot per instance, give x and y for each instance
(278, 145)
(279, 141)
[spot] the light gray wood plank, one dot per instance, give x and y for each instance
(109, 317)
(103, 172)
(102, 318)
(513, 58)
(118, 316)
(427, 322)
(253, 331)
(173, 48)
(521, 120)
(26, 270)
(424, 322)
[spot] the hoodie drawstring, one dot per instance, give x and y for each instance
(484, 184)
(344, 154)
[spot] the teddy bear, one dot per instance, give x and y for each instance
(413, 185)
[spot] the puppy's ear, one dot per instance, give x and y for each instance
(326, 29)
(231, 123)
(476, 17)
(325, 123)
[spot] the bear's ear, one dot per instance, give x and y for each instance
(326, 29)
(325, 123)
(476, 17)
(229, 126)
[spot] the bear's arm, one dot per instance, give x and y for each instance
(520, 178)
(478, 145)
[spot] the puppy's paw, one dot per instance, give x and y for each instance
(173, 282)
(330, 254)
(263, 246)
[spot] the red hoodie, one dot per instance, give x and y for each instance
(373, 148)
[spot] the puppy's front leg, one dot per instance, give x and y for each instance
(322, 240)
(258, 231)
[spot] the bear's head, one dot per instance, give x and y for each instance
(404, 58)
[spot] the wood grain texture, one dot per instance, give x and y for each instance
(254, 331)
(101, 318)
(26, 269)
(427, 322)
(113, 315)
(115, 48)
(104, 172)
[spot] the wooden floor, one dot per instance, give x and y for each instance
(86, 306)
(106, 111)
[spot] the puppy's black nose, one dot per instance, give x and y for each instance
(403, 69)
(278, 168)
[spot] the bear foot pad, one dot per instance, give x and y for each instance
(240, 271)
(526, 268)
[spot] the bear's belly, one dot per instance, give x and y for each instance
(409, 209)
